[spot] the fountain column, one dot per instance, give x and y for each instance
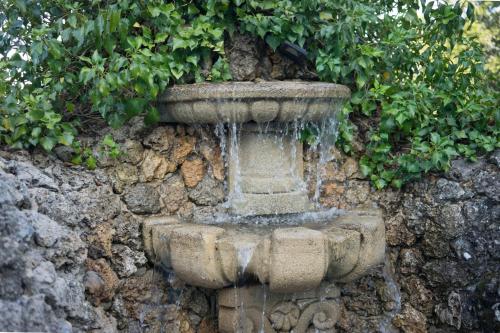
(266, 171)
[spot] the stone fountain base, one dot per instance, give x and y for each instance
(289, 258)
(254, 309)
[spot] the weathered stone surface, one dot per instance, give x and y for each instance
(100, 281)
(351, 168)
(451, 220)
(488, 183)
(214, 158)
(397, 233)
(126, 229)
(451, 313)
(174, 102)
(183, 146)
(14, 193)
(289, 259)
(464, 170)
(344, 246)
(155, 166)
(207, 192)
(448, 190)
(369, 224)
(463, 262)
(275, 203)
(243, 57)
(411, 321)
(40, 260)
(160, 139)
(193, 172)
(142, 199)
(132, 152)
(292, 249)
(266, 173)
(435, 242)
(100, 241)
(173, 193)
(495, 158)
(357, 192)
(31, 314)
(420, 296)
(126, 260)
(125, 174)
(139, 292)
(411, 261)
(445, 273)
(194, 257)
(331, 172)
(300, 312)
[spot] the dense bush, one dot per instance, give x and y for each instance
(420, 91)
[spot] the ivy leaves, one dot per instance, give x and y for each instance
(417, 79)
(63, 59)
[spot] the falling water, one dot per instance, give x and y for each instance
(385, 325)
(235, 156)
(263, 315)
(244, 256)
(325, 136)
(286, 137)
(325, 140)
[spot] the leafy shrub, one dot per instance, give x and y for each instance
(420, 93)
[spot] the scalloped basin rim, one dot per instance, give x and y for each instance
(267, 89)
(241, 102)
(288, 258)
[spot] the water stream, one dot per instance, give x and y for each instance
(244, 256)
(394, 293)
(286, 136)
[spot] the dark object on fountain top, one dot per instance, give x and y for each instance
(293, 52)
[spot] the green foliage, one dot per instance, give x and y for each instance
(420, 93)
(61, 61)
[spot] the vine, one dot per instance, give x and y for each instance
(421, 95)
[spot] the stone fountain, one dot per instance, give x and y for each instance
(277, 276)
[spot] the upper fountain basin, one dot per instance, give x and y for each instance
(241, 102)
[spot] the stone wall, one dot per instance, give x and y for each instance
(72, 253)
(443, 250)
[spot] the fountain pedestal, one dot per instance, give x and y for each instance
(266, 312)
(266, 171)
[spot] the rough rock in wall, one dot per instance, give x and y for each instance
(252, 59)
(42, 259)
(442, 235)
(72, 256)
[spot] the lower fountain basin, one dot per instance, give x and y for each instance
(290, 258)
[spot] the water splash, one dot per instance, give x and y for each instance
(244, 256)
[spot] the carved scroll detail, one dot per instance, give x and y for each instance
(322, 316)
(285, 316)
